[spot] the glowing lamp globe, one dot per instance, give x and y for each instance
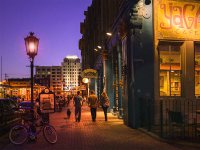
(85, 80)
(31, 43)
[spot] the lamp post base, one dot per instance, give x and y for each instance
(114, 110)
(121, 113)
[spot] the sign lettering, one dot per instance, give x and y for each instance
(180, 20)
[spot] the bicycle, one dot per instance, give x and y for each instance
(21, 132)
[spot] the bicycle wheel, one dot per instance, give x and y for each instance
(50, 134)
(18, 134)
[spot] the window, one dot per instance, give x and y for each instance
(197, 70)
(170, 69)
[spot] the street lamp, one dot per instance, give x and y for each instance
(31, 43)
(109, 34)
(86, 81)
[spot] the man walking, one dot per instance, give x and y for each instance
(78, 101)
(93, 104)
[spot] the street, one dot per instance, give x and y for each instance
(86, 135)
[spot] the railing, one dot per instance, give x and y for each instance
(171, 118)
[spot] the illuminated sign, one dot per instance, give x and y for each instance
(178, 19)
(47, 101)
(89, 73)
(82, 87)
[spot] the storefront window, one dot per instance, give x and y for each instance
(170, 69)
(197, 70)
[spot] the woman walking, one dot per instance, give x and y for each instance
(105, 103)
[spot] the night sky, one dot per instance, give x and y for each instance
(55, 22)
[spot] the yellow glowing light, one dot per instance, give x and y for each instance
(96, 49)
(109, 34)
(99, 47)
(85, 80)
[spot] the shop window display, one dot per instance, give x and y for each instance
(170, 69)
(197, 70)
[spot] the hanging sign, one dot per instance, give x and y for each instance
(89, 73)
(178, 19)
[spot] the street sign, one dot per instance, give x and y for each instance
(82, 87)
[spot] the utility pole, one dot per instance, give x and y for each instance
(6, 76)
(1, 68)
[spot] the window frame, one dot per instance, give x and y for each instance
(170, 44)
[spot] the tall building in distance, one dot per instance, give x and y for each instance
(60, 79)
(71, 69)
(56, 80)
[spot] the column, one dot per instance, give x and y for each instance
(104, 56)
(119, 79)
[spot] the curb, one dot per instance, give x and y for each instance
(173, 142)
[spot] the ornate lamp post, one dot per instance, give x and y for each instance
(31, 43)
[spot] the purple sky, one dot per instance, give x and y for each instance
(55, 22)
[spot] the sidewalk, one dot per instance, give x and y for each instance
(88, 135)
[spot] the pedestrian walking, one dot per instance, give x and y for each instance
(68, 113)
(93, 104)
(78, 101)
(105, 103)
(68, 99)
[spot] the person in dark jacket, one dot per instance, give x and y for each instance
(78, 101)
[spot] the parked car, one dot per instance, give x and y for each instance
(26, 105)
(9, 114)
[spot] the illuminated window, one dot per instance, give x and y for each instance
(197, 70)
(170, 69)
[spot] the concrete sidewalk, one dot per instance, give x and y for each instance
(88, 135)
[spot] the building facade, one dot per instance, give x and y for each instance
(99, 19)
(151, 60)
(56, 79)
(43, 75)
(50, 76)
(71, 70)
(21, 88)
(3, 89)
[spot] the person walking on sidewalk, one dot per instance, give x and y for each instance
(78, 101)
(105, 103)
(93, 104)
